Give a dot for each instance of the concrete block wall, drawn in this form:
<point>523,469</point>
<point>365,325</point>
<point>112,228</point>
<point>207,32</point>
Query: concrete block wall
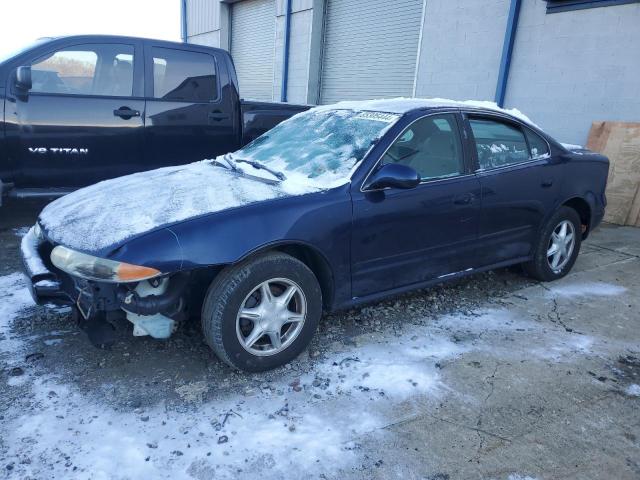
<point>461,48</point>
<point>572,68</point>
<point>299,49</point>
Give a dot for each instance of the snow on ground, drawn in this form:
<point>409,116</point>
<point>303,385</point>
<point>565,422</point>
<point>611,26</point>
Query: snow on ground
<point>14,298</point>
<point>586,289</point>
<point>633,390</point>
<point>310,426</point>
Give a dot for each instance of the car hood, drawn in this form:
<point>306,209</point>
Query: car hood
<point>110,212</point>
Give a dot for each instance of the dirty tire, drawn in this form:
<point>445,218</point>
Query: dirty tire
<point>539,267</point>
<point>226,296</point>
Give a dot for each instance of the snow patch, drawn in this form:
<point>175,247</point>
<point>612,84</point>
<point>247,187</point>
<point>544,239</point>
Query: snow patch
<point>14,298</point>
<point>20,231</point>
<point>571,146</point>
<point>633,390</point>
<point>586,289</point>
<point>403,105</point>
<point>111,211</point>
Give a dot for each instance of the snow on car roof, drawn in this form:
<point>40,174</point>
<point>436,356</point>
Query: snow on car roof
<point>403,105</point>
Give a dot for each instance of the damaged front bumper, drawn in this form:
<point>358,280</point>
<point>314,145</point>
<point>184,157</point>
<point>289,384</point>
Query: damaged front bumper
<point>46,287</point>
<point>153,306</point>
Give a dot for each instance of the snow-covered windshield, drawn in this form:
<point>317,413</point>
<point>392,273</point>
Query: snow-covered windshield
<point>319,147</point>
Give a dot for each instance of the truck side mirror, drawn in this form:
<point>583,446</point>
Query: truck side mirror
<point>23,78</point>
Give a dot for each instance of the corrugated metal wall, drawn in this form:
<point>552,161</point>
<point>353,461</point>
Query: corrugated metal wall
<point>203,16</point>
<point>253,33</point>
<point>370,49</point>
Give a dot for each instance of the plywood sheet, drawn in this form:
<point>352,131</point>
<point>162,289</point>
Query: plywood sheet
<point>620,142</point>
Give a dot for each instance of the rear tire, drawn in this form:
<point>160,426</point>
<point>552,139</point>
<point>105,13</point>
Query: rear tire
<point>557,247</point>
<point>262,313</point>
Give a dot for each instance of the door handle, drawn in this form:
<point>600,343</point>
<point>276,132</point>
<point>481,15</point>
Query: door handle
<point>217,116</point>
<point>547,183</point>
<point>465,199</point>
<point>126,113</point>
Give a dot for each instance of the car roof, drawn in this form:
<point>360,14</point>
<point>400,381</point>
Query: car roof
<point>402,106</point>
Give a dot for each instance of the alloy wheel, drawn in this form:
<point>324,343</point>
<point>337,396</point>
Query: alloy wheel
<point>561,245</point>
<point>271,317</point>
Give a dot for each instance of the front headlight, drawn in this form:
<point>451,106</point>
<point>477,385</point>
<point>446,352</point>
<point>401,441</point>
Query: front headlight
<point>100,269</point>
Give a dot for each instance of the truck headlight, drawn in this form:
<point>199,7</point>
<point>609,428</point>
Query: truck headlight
<point>99,269</point>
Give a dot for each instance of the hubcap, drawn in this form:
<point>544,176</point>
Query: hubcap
<point>561,244</point>
<point>271,317</point>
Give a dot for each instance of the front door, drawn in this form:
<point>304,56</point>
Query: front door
<point>83,119</point>
<point>406,237</point>
<point>188,118</point>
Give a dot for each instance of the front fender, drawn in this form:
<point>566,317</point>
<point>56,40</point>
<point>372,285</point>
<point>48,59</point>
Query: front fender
<point>320,221</point>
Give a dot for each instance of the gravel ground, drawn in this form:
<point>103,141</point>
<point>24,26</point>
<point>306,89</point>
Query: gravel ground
<point>405,388</point>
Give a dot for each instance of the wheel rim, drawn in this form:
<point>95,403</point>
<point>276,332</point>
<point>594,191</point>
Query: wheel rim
<point>561,245</point>
<point>271,317</point>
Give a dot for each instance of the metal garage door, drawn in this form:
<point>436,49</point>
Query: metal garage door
<point>253,31</point>
<point>370,49</point>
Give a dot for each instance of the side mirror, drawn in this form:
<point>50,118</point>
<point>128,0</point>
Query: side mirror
<point>393,175</point>
<point>23,78</point>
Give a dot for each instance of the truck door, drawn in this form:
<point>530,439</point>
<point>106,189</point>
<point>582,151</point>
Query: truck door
<point>83,119</point>
<point>188,117</point>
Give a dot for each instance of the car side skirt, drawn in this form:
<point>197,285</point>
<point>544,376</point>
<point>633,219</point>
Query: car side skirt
<point>357,301</point>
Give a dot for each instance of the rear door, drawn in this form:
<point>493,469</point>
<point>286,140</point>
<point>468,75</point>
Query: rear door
<point>407,237</point>
<point>83,119</point>
<point>188,117</point>
<point>520,185</point>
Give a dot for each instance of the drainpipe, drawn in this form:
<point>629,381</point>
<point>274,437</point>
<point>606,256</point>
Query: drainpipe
<point>183,19</point>
<point>507,50</point>
<point>285,60</point>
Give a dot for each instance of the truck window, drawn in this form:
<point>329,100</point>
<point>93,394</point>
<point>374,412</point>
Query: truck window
<point>95,69</point>
<point>183,76</point>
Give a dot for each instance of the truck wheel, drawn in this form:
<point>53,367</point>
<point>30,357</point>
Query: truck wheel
<point>262,313</point>
<point>557,247</point>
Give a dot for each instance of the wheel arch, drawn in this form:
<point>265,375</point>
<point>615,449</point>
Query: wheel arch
<point>313,258</point>
<point>583,208</point>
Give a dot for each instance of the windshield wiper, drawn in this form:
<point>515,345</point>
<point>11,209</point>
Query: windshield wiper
<point>260,166</point>
<point>228,164</point>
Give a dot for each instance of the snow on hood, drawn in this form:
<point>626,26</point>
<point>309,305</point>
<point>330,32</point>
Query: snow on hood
<point>403,105</point>
<point>111,211</point>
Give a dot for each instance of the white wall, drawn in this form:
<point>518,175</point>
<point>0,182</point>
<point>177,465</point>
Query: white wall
<point>461,48</point>
<point>572,68</point>
<point>299,49</point>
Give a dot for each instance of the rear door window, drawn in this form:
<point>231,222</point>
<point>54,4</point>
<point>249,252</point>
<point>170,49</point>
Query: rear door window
<point>93,69</point>
<point>183,76</point>
<point>498,144</point>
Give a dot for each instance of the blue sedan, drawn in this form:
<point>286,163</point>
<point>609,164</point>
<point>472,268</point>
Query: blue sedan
<point>337,206</point>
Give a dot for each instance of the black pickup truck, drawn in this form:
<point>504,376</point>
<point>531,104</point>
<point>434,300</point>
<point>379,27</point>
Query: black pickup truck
<point>76,110</point>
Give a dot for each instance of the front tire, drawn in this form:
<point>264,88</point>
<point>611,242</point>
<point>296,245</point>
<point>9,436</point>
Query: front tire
<point>558,246</point>
<point>262,313</point>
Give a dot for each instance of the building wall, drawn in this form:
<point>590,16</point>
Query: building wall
<point>572,68</point>
<point>299,49</point>
<point>208,23</point>
<point>568,69</point>
<point>203,22</point>
<point>461,48</point>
